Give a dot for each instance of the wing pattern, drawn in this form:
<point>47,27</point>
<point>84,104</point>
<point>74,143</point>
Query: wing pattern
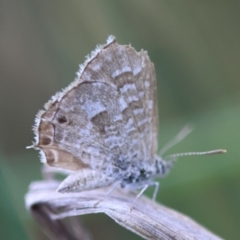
<point>107,117</point>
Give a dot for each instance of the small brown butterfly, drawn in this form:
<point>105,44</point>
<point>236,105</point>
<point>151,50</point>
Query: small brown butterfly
<point>104,126</point>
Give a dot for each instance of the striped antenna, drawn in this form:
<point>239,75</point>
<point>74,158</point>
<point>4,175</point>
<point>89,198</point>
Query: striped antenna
<point>177,155</point>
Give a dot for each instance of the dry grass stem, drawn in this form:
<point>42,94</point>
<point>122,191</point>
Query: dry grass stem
<point>147,218</point>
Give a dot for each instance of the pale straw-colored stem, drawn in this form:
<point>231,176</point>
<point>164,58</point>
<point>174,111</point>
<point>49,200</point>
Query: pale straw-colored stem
<point>147,218</point>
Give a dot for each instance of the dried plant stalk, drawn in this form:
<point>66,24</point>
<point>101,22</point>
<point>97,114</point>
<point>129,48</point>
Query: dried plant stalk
<point>147,218</point>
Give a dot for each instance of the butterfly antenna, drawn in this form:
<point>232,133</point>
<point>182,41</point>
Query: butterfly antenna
<point>178,138</point>
<point>177,155</point>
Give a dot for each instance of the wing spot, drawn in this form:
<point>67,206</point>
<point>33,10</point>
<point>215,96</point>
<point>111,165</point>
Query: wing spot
<point>45,141</point>
<point>62,119</point>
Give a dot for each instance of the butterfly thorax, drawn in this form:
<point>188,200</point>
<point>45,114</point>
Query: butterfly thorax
<point>137,173</point>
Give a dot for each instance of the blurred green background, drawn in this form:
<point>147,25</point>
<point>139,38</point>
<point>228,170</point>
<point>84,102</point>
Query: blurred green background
<point>195,46</point>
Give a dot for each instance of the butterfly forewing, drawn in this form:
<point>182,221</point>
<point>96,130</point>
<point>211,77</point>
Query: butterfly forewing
<point>109,114</point>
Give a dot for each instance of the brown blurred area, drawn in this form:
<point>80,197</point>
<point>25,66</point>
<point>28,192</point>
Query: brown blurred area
<point>195,48</point>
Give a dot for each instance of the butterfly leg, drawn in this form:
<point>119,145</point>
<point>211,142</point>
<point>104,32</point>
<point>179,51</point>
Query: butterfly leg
<point>85,179</point>
<point>143,190</point>
<point>139,195</point>
<point>114,186</point>
<point>155,190</point>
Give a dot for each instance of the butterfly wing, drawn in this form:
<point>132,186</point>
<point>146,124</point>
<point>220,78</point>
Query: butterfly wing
<point>107,117</point>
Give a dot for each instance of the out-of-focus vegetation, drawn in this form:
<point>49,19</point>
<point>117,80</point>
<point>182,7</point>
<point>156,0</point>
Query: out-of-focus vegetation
<point>195,46</point>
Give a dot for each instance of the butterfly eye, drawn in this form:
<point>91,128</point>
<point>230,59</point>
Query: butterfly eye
<point>62,119</point>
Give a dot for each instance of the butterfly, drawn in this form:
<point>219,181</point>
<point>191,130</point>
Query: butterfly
<point>104,126</point>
